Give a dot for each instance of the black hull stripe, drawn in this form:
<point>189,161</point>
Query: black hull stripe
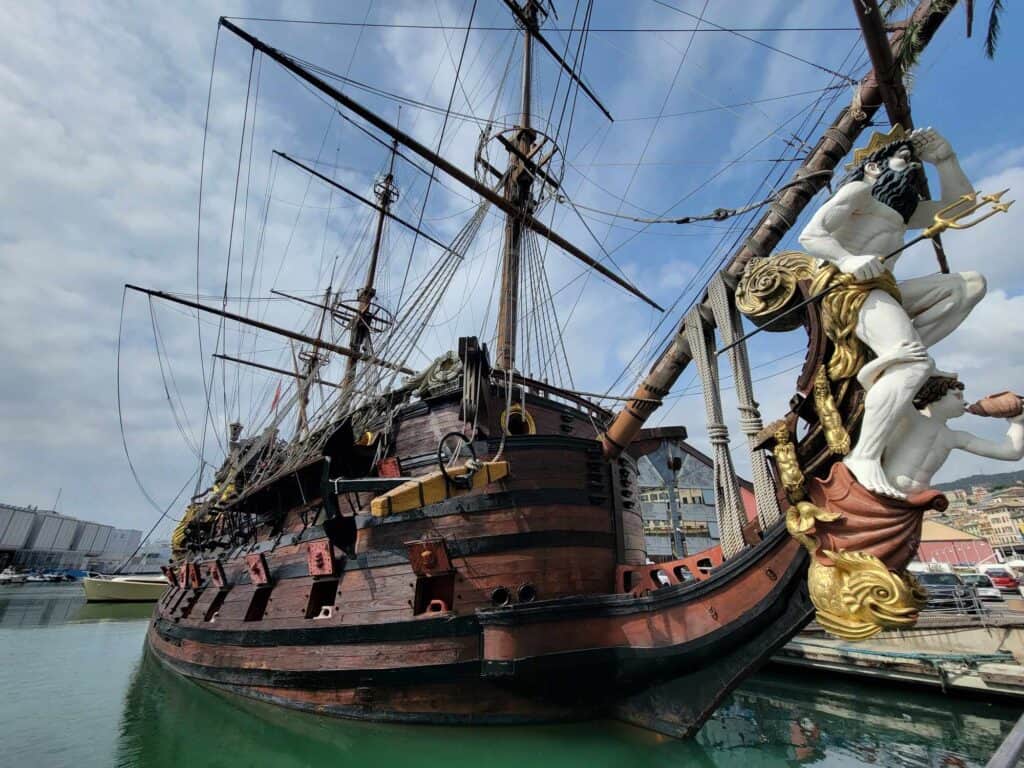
<point>391,632</point>
<point>489,545</point>
<point>324,679</point>
<point>488,502</point>
<point>625,669</point>
<point>481,545</point>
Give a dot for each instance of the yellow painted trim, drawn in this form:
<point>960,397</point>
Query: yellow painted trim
<point>433,488</point>
<point>531,425</point>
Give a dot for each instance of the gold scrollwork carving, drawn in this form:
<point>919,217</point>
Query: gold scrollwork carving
<point>836,436</point>
<point>854,594</point>
<point>800,520</point>
<point>858,597</point>
<point>786,462</point>
<point>769,287</point>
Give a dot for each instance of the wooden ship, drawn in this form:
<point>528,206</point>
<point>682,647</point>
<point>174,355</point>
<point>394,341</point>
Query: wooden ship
<point>466,546</point>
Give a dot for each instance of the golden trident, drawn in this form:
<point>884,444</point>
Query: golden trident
<point>953,216</point>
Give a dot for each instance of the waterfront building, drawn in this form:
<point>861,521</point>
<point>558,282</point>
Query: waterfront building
<point>945,544</point>
<point>1001,516</point>
<point>149,558</point>
<point>695,499</point>
<point>33,538</point>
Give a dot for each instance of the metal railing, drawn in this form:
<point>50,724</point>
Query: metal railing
<point>961,601</point>
<point>1010,751</point>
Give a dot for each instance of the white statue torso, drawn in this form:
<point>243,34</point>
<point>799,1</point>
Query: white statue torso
<point>919,447</point>
<point>872,228</point>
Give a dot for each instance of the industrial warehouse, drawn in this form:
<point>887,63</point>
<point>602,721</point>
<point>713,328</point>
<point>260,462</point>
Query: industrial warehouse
<point>40,539</point>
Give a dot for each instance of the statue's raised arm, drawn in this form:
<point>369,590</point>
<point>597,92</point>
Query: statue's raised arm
<point>931,147</point>
<point>882,329</point>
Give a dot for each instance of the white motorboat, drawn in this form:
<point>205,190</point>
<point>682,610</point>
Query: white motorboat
<point>135,588</point>
<point>11,576</point>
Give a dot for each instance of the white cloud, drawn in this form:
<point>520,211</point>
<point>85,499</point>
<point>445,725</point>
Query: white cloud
<point>103,108</point>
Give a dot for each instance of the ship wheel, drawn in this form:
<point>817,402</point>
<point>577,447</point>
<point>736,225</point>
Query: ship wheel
<point>449,449</point>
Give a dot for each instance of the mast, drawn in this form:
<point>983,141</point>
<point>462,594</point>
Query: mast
<point>287,333</point>
<point>832,147</point>
<point>889,77</point>
<point>432,157</point>
<point>313,361</point>
<point>386,195</point>
<point>518,189</point>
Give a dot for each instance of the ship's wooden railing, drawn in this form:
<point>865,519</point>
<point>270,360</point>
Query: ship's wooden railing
<point>638,579</point>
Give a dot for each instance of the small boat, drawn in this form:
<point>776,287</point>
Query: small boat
<point>11,576</point>
<point>137,588</point>
<point>46,578</point>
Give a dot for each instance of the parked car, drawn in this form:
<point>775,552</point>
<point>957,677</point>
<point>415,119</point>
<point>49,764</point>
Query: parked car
<point>982,586</point>
<point>1001,577</point>
<point>946,591</point>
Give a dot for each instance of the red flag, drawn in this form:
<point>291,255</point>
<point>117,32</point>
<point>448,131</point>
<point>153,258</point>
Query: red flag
<point>277,397</point>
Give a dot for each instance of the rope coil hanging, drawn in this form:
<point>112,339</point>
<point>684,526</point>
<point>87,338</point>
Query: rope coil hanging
<point>727,318</point>
<point>728,505</point>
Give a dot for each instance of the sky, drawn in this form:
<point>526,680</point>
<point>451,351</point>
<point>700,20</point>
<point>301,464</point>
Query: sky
<point>108,144</point>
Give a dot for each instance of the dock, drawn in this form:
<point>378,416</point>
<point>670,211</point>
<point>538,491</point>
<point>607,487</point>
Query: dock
<point>974,653</point>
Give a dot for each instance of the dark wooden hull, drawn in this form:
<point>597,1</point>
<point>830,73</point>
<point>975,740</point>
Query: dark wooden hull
<point>571,643</point>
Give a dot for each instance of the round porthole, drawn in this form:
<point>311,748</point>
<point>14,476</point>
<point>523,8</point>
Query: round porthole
<point>526,593</point>
<point>500,596</point>
<point>518,421</point>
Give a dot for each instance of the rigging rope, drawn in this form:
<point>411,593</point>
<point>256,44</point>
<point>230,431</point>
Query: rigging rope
<point>562,30</point>
<point>433,167</point>
<point>757,42</point>
<point>728,506</point>
<point>730,325</point>
<point>719,214</point>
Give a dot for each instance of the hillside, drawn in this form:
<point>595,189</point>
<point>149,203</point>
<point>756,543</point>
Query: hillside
<point>990,481</point>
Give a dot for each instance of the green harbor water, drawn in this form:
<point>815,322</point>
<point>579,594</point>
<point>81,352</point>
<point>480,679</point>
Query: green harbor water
<point>79,691</point>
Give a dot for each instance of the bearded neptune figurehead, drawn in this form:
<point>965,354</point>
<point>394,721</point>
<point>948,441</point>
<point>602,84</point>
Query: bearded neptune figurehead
<point>890,164</point>
<point>898,176</point>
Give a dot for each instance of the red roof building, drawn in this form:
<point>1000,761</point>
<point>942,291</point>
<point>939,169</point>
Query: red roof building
<point>944,544</point>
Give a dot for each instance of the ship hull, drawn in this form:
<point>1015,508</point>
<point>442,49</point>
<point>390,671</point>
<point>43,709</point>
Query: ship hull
<point>663,661</point>
<point>536,603</point>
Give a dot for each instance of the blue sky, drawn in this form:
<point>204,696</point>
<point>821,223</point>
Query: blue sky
<point>105,111</point>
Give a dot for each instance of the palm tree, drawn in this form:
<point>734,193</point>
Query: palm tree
<point>992,34</point>
<point>910,49</point>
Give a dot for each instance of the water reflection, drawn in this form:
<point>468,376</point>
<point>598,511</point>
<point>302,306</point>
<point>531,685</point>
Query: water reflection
<point>772,720</point>
<point>39,605</point>
<point>870,724</point>
<point>118,705</point>
<point>114,612</point>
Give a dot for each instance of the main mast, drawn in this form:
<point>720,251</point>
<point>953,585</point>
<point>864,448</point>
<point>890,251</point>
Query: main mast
<point>517,191</point>
<point>830,149</point>
<point>386,194</point>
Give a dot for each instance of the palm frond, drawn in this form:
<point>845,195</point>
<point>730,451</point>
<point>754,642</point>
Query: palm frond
<point>992,35</point>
